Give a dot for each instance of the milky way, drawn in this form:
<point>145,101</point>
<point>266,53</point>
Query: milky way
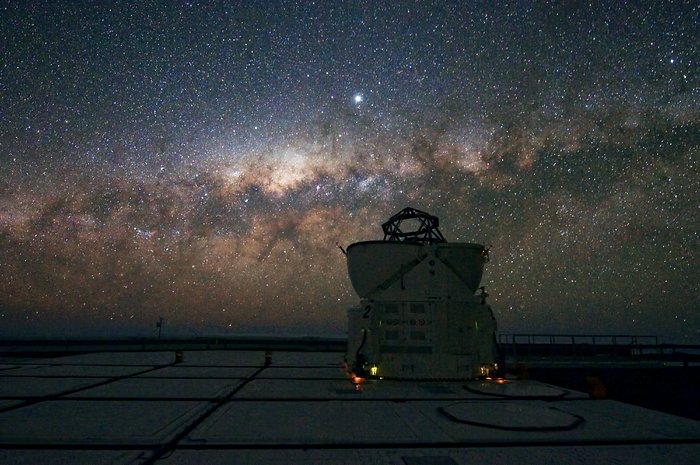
<point>203,163</point>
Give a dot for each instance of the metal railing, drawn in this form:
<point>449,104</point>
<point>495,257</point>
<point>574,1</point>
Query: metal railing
<point>579,345</point>
<point>53,347</point>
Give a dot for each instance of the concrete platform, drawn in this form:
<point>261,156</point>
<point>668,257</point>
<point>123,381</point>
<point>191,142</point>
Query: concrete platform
<point>219,407</point>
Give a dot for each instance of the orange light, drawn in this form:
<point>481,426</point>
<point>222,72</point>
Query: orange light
<point>357,382</point>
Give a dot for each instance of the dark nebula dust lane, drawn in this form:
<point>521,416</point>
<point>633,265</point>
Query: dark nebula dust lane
<point>202,163</point>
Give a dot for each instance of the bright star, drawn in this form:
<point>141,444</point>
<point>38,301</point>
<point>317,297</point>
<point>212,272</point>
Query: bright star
<point>358,98</point>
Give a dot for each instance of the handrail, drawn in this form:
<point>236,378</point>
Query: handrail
<point>579,345</point>
<point>596,339</point>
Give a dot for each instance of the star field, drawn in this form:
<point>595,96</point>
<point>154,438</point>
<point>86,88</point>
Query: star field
<point>201,162</point>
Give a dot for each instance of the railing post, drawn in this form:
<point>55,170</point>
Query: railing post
<point>551,345</point>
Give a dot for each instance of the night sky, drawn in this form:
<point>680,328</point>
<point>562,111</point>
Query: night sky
<point>200,162</point>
